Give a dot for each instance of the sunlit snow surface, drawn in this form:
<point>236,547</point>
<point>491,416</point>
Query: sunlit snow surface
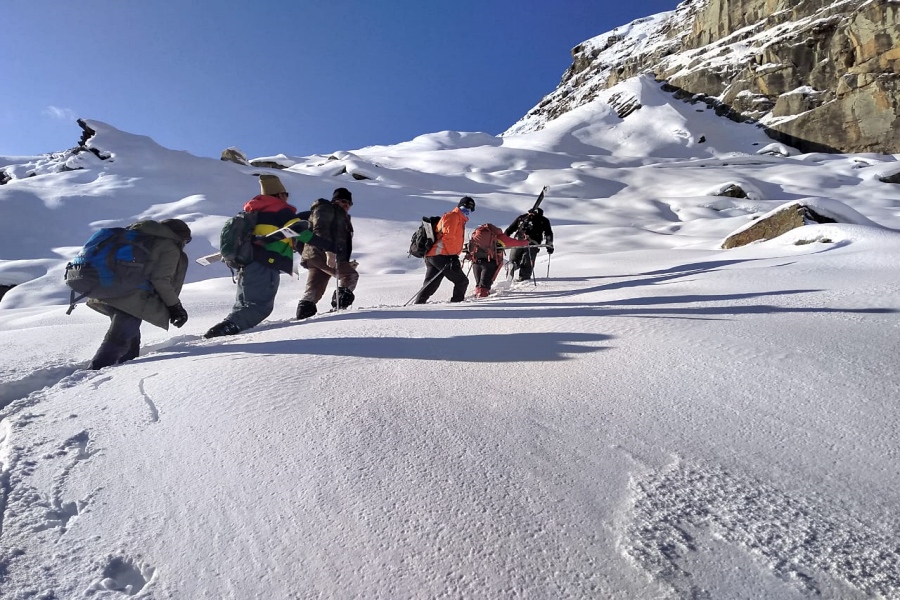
<point>651,417</point>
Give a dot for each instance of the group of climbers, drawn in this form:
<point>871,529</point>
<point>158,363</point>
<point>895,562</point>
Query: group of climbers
<point>325,246</point>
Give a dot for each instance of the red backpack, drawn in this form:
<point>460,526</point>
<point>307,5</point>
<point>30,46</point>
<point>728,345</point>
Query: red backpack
<point>483,243</point>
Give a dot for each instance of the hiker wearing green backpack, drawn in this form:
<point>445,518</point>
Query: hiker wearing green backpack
<point>257,282</point>
<point>157,303</point>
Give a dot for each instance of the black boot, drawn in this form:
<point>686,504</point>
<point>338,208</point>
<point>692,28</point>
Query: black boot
<point>305,309</point>
<point>224,328</point>
<point>344,296</point>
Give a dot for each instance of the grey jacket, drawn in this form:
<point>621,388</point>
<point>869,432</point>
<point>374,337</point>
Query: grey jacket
<point>166,269</point>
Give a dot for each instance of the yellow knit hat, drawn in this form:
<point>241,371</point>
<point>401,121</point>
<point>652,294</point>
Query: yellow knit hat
<point>270,185</point>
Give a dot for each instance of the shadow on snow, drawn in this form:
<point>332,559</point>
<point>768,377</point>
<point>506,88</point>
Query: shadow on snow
<point>499,348</point>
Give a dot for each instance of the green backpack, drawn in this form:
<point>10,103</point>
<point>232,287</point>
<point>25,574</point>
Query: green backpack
<point>236,239</point>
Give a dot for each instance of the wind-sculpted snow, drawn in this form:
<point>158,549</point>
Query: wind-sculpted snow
<point>686,509</point>
<point>517,446</point>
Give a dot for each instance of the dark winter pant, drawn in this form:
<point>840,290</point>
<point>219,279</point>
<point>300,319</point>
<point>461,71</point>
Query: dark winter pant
<point>485,272</point>
<point>453,271</point>
<point>523,260</point>
<point>257,286</point>
<point>122,340</point>
<point>320,274</point>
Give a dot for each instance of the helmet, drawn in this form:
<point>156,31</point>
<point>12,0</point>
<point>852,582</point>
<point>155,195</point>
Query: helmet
<point>466,202</point>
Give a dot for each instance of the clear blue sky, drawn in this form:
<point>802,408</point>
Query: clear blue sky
<point>294,77</point>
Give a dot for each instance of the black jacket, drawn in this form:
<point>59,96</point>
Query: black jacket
<point>332,225</point>
<point>533,227</point>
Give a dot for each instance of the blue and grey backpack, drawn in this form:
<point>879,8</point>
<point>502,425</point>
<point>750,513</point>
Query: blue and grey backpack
<point>111,264</point>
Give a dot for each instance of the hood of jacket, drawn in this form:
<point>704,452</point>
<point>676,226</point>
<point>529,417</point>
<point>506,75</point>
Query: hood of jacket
<point>156,229</point>
<point>268,204</point>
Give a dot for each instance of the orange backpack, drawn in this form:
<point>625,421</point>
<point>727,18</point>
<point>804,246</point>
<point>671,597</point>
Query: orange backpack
<point>483,243</point>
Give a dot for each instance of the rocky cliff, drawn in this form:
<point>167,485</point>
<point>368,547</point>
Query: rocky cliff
<point>819,75</point>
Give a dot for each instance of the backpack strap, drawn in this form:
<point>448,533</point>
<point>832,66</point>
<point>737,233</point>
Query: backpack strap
<point>73,300</point>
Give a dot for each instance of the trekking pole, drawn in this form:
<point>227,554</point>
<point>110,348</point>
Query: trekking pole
<point>427,283</point>
<point>548,265</point>
<point>531,258</point>
<point>337,284</point>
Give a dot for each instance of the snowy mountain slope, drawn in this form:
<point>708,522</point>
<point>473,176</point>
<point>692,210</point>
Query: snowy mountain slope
<point>651,417</point>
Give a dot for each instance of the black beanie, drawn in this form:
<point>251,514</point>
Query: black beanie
<point>179,228</point>
<point>342,194</point>
<point>466,202</point>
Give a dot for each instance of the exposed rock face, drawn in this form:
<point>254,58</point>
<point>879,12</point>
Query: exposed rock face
<point>789,216</point>
<point>820,75</point>
<point>86,134</point>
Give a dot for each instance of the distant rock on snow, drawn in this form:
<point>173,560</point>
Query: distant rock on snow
<point>792,215</point>
<point>781,220</point>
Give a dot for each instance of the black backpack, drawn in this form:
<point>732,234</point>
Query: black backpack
<point>112,263</point>
<point>424,237</point>
<point>236,239</point>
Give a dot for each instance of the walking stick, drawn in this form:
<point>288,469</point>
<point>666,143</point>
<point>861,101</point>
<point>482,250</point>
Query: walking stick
<point>531,258</point>
<point>548,265</point>
<point>337,284</point>
<point>427,283</point>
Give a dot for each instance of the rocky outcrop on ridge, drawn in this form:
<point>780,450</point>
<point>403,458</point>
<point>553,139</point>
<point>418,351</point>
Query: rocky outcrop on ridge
<point>234,155</point>
<point>73,159</point>
<point>819,75</point>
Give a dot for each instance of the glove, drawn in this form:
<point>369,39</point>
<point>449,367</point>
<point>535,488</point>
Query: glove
<point>454,263</point>
<point>177,315</point>
<point>549,249</point>
<point>305,236</point>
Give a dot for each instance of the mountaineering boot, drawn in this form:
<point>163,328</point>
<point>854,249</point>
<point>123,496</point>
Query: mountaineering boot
<point>482,292</point>
<point>305,309</point>
<point>344,296</point>
<point>226,327</point>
